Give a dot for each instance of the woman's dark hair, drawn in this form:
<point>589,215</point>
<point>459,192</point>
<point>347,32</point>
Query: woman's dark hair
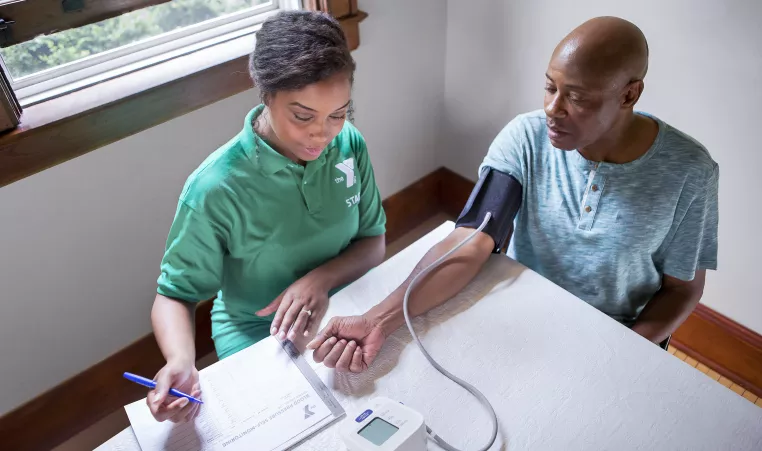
<point>297,48</point>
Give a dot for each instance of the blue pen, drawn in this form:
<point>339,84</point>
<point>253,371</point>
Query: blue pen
<point>152,384</point>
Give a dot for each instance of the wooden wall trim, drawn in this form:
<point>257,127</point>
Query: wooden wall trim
<point>724,346</point>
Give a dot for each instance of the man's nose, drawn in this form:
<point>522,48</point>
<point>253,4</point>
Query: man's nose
<point>555,107</point>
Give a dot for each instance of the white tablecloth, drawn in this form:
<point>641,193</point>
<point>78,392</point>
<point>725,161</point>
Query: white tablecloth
<point>560,374</point>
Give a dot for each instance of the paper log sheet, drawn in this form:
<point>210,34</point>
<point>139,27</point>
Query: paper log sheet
<point>254,399</point>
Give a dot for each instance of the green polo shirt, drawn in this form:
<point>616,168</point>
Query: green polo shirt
<point>250,222</point>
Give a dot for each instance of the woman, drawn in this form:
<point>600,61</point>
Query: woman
<point>277,218</point>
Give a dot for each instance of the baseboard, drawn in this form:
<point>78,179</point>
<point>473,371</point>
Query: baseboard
<point>69,408</point>
<point>724,346</point>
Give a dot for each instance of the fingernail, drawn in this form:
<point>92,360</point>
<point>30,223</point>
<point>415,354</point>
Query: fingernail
<point>282,335</point>
<point>184,402</point>
<point>352,343</point>
<point>306,333</point>
<point>273,330</point>
<point>332,340</point>
<point>291,335</point>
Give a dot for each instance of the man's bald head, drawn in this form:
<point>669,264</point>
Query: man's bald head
<point>594,80</point>
<point>605,47</point>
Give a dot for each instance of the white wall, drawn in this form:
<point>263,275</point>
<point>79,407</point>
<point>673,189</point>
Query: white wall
<point>704,78</point>
<point>81,242</point>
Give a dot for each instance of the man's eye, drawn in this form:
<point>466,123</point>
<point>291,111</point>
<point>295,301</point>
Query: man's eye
<point>550,89</point>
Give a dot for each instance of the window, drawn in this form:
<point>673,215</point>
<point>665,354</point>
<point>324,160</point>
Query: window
<point>51,65</point>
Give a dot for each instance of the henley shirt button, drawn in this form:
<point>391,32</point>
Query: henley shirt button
<point>588,209</point>
<point>594,188</point>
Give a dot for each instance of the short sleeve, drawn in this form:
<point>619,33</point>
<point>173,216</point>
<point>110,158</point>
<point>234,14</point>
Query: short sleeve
<point>191,269</point>
<point>506,153</point>
<point>694,245</point>
<point>372,215</point>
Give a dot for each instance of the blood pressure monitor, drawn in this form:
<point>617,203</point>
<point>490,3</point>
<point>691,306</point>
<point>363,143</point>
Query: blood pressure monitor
<point>384,425</point>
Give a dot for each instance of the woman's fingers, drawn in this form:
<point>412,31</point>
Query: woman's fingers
<point>300,325</point>
<point>320,353</point>
<point>171,411</point>
<point>284,305</point>
<point>289,318</point>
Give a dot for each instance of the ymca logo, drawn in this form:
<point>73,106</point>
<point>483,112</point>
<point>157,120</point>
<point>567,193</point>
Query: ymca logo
<point>347,167</point>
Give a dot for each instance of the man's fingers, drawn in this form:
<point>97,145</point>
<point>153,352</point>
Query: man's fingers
<point>333,356</point>
<point>328,331</point>
<point>346,357</point>
<point>300,325</point>
<point>284,304</point>
<point>357,365</point>
<point>289,317</point>
<point>321,352</point>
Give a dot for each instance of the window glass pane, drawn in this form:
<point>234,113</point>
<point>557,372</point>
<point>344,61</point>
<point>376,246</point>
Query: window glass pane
<point>45,52</point>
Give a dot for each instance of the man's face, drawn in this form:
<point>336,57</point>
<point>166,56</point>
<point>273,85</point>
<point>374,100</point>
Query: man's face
<point>581,106</point>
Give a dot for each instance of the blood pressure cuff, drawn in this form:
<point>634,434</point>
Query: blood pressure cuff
<point>500,194</point>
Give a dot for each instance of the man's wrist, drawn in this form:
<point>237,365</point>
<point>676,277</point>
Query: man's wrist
<point>388,319</point>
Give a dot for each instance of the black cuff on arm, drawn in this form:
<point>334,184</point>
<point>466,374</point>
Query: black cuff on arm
<point>500,194</point>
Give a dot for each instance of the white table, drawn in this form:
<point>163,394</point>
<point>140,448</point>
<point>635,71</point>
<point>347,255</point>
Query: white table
<point>560,374</point>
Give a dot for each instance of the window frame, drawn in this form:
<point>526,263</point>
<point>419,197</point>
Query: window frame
<point>78,74</point>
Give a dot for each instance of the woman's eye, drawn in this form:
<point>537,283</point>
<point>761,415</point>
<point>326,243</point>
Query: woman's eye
<point>339,118</point>
<point>302,118</point>
<point>550,89</point>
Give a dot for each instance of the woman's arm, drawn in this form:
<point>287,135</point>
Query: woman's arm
<point>173,327</point>
<point>173,324</point>
<point>294,307</point>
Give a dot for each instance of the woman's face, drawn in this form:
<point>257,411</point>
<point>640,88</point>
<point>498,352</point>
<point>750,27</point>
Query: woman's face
<point>305,121</point>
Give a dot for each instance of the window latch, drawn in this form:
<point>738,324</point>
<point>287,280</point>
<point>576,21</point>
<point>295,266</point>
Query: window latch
<point>5,31</point>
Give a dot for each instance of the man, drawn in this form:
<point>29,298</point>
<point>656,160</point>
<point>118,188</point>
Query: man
<point>617,207</point>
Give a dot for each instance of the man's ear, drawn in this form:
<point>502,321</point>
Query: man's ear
<point>632,93</point>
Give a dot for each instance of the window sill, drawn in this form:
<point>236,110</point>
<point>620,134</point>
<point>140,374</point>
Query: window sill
<point>74,124</point>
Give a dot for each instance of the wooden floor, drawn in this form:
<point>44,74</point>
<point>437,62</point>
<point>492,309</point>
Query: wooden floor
<point>111,425</point>
<point>716,376</point>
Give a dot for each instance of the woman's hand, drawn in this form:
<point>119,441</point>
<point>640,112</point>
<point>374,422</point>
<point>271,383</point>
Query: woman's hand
<point>180,375</point>
<point>348,343</point>
<point>295,308</point>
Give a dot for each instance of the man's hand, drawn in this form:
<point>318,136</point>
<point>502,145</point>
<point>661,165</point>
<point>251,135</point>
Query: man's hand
<point>296,307</point>
<point>348,343</point>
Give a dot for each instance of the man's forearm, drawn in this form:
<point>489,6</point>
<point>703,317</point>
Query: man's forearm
<point>438,286</point>
<point>665,313</point>
<point>357,259</point>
